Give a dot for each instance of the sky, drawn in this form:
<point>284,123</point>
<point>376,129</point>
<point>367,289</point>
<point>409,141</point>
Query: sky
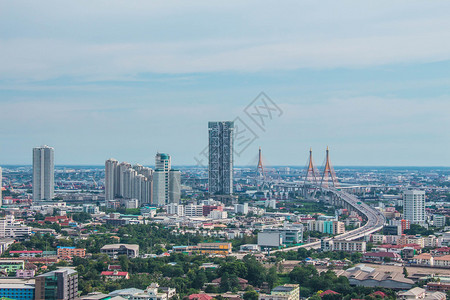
<point>126,79</point>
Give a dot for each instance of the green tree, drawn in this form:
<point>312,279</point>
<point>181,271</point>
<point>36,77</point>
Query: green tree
<point>251,295</point>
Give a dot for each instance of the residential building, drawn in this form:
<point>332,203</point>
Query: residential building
<point>123,181</point>
<point>193,210</point>
<point>70,252</point>
<point>43,173</point>
<point>115,250</point>
<point>5,243</point>
<point>175,209</point>
<point>343,245</point>
<point>241,208</point>
<point>338,227</point>
<point>61,284</point>
<point>439,221</point>
<point>283,292</point>
<point>110,177</point>
<point>220,167</point>
<point>424,259</point>
<point>414,206</point>
<point>174,186</point>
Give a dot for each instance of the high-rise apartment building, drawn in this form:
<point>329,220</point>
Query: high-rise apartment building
<point>166,181</point>
<point>110,175</point>
<point>174,186</point>
<point>414,206</point>
<point>122,181</point>
<point>43,173</point>
<point>220,158</point>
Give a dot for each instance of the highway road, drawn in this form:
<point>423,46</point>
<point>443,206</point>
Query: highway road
<point>375,221</point>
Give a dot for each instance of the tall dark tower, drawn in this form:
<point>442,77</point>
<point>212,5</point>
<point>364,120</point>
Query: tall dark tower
<point>220,158</point>
<point>260,168</point>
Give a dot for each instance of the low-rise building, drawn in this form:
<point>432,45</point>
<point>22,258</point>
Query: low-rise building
<point>343,245</point>
<point>11,265</point>
<point>70,252</point>
<point>114,275</point>
<point>114,250</point>
<point>283,292</point>
<point>214,248</point>
<point>26,253</point>
<point>17,288</point>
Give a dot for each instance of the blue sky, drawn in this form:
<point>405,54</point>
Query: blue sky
<point>125,79</point>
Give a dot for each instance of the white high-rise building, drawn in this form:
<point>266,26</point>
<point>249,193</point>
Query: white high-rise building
<point>174,186</point>
<point>414,206</point>
<point>110,174</point>
<point>166,181</point>
<point>43,173</point>
<point>125,182</point>
<point>159,188</point>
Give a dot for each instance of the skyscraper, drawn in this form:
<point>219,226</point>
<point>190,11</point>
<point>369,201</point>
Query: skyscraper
<point>174,186</point>
<point>220,158</point>
<point>43,173</point>
<point>123,181</point>
<point>166,181</point>
<point>161,179</point>
<point>414,206</point>
<point>110,174</point>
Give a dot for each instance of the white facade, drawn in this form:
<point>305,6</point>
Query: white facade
<point>124,181</point>
<point>159,188</point>
<point>43,173</point>
<point>241,208</point>
<point>110,170</point>
<point>414,206</point>
<point>175,209</point>
<point>218,214</point>
<point>9,228</point>
<point>192,210</point>
<point>174,186</point>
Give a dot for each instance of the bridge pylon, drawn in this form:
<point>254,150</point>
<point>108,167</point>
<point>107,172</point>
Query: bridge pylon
<point>261,182</point>
<point>311,177</point>
<point>328,176</point>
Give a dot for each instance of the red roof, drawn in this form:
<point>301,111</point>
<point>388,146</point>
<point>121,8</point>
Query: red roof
<point>200,297</point>
<point>442,249</point>
<point>329,292</point>
<point>379,293</point>
<point>113,273</point>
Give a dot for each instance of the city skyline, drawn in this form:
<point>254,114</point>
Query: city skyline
<point>370,83</point>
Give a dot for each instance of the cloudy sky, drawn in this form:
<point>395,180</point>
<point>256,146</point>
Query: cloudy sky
<point>125,79</point>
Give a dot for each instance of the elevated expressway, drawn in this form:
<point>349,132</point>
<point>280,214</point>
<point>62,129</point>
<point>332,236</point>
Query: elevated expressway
<point>374,219</point>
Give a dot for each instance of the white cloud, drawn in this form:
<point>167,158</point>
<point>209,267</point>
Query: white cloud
<point>245,37</point>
